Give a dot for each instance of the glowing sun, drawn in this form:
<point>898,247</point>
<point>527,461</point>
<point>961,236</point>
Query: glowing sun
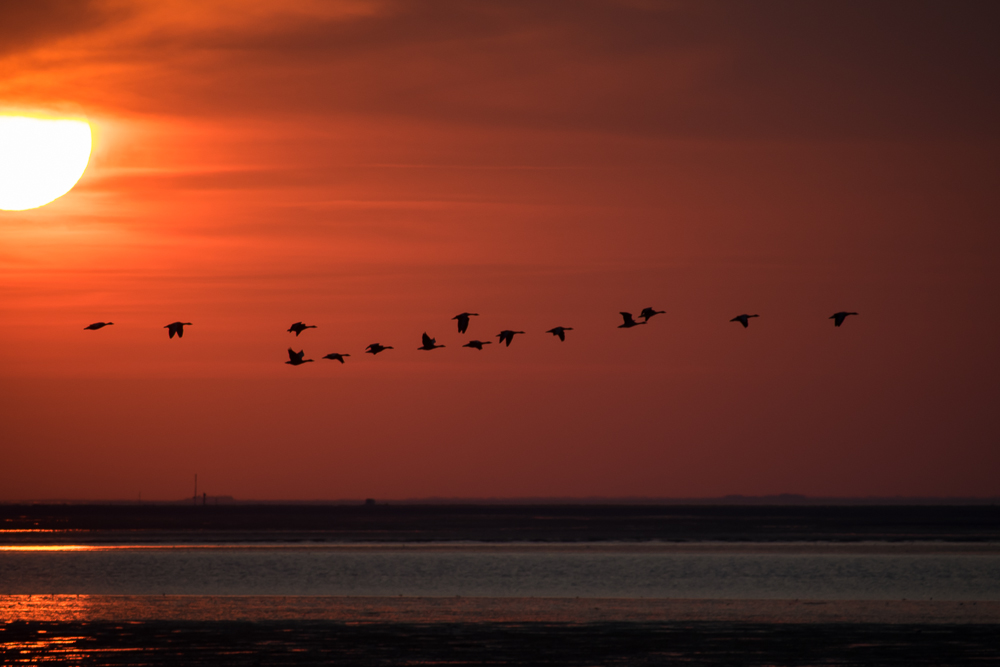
<point>40,159</point>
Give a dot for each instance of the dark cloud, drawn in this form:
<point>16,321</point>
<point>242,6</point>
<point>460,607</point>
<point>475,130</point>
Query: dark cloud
<point>24,25</point>
<point>778,69</point>
<point>883,68</point>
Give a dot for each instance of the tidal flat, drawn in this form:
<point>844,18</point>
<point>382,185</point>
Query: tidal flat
<point>551,585</point>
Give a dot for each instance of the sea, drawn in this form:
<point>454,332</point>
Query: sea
<point>142,596</point>
<point>748,571</point>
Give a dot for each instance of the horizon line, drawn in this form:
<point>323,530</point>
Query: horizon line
<point>779,498</point>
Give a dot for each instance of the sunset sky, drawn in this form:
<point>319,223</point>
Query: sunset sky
<point>375,168</point>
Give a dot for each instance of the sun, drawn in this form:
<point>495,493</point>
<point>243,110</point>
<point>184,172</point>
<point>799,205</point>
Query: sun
<point>40,159</point>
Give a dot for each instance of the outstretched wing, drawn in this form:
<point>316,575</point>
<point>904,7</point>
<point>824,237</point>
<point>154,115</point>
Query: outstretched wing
<point>627,317</point>
<point>427,340</point>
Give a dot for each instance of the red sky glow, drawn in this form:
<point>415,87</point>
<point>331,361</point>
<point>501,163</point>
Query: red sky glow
<point>375,168</point>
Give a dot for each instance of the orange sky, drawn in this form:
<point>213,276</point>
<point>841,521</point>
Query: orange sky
<point>375,168</point>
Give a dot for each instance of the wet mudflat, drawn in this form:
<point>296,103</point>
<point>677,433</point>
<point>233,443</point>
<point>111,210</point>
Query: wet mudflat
<point>464,585</point>
<point>264,630</point>
<point>615,643</point>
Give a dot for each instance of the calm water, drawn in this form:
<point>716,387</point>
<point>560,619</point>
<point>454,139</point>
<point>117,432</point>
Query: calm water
<point>765,571</point>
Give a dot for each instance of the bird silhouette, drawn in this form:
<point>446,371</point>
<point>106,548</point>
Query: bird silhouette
<point>648,313</point>
<point>177,328</point>
<point>506,336</point>
<point>97,325</point>
<point>743,319</point>
<point>838,318</point>
<point>478,344</point>
<point>428,343</point>
<point>298,328</point>
<point>560,331</point>
<point>336,356</point>
<point>295,358</point>
<point>629,322</point>
<point>463,320</point>
<point>375,348</point>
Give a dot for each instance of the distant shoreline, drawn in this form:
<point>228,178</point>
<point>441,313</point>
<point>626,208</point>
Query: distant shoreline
<point>95,524</point>
<point>733,499</point>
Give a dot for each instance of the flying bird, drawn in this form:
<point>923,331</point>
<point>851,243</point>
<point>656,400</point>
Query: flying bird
<point>560,331</point>
<point>743,319</point>
<point>649,312</point>
<point>295,358</point>
<point>176,328</point>
<point>478,344</point>
<point>838,318</point>
<point>463,320</point>
<point>629,322</point>
<point>428,343</point>
<point>298,328</point>
<point>506,336</point>
<point>336,356</point>
<point>97,325</point>
<point>375,348</point>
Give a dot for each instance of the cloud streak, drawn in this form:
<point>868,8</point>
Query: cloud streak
<point>685,69</point>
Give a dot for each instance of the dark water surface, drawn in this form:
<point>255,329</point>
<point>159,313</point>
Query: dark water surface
<point>495,585</point>
<point>861,571</point>
<point>324,643</point>
<point>177,524</point>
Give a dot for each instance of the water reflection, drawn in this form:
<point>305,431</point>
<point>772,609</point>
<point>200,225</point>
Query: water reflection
<point>57,547</point>
<point>560,645</point>
<point>131,610</point>
<point>47,608</point>
<point>57,647</point>
<point>51,649</point>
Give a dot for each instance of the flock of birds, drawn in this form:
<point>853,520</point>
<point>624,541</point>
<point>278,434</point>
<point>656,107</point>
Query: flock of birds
<point>506,336</point>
